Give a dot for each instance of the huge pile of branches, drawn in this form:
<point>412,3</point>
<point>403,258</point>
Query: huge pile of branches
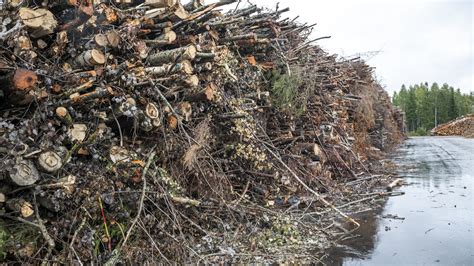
<point>144,131</point>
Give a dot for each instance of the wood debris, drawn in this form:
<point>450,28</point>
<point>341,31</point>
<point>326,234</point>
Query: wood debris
<point>241,111</point>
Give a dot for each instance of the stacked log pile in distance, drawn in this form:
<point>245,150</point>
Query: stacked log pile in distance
<point>463,126</point>
<point>144,131</point>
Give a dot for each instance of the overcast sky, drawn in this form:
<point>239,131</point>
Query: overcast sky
<point>418,40</point>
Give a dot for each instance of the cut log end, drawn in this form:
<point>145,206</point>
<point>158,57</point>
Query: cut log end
<point>24,79</point>
<point>91,58</point>
<point>109,39</point>
<point>152,111</point>
<point>161,3</point>
<point>50,161</point>
<point>172,122</point>
<point>24,173</point>
<point>39,22</point>
<point>61,112</point>
<point>78,132</point>
<point>21,206</point>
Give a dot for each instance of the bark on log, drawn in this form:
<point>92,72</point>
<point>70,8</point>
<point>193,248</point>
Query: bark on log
<point>206,95</point>
<point>193,4</point>
<point>163,39</point>
<point>184,67</point>
<point>161,3</point>
<point>24,173</point>
<point>211,15</point>
<point>201,29</point>
<point>175,13</point>
<point>157,26</point>
<point>209,56</point>
<point>83,87</point>
<point>81,98</point>
<point>156,14</point>
<point>215,5</point>
<point>64,115</point>
<point>245,37</point>
<point>225,23</point>
<point>184,40</point>
<point>170,56</point>
<point>246,11</point>
<point>84,13</point>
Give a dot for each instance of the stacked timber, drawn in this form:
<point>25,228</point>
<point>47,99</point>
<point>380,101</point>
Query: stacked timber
<point>463,126</point>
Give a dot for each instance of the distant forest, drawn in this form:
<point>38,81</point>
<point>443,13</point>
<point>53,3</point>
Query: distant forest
<point>428,106</point>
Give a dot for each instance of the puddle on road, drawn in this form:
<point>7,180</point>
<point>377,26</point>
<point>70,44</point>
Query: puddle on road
<point>432,224</point>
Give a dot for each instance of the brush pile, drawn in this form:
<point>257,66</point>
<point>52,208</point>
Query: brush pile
<point>152,131</point>
<point>463,126</point>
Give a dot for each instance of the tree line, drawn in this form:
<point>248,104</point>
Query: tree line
<point>427,106</point>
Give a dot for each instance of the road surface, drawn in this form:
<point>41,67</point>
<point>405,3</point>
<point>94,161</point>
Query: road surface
<point>433,222</point>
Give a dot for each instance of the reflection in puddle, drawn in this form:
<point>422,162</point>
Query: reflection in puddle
<point>432,223</point>
<point>361,244</point>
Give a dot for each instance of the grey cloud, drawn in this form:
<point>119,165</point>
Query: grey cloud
<point>419,40</point>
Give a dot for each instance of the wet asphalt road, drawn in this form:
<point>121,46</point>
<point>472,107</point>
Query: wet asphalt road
<point>438,227</point>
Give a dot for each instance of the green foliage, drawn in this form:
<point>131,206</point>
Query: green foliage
<point>428,106</point>
<point>419,132</point>
<point>285,92</point>
<point>3,239</point>
<point>19,239</point>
